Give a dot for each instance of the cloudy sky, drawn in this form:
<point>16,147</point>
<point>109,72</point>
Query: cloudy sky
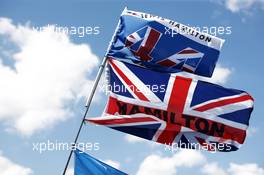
<point>46,76</point>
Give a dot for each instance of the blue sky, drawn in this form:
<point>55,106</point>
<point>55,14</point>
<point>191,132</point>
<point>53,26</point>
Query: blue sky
<point>241,62</point>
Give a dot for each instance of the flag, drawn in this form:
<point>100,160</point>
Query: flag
<point>87,165</point>
<point>175,109</point>
<point>164,45</point>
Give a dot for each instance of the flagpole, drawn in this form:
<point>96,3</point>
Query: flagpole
<point>89,100</point>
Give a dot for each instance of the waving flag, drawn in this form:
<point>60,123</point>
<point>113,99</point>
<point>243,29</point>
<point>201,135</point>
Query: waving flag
<point>87,165</point>
<point>164,45</point>
<point>172,108</point>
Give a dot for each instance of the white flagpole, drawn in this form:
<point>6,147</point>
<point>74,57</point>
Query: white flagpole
<point>89,100</point>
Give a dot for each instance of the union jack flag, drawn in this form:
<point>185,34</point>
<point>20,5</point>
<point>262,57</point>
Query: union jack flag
<point>174,108</point>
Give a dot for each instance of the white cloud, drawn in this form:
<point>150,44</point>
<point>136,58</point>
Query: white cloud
<point>191,158</point>
<point>49,73</point>
<point>213,169</point>
<point>233,169</point>
<point>251,131</point>
<point>113,163</point>
<point>133,139</point>
<point>220,76</point>
<point>245,169</point>
<point>168,165</point>
<point>8,167</point>
<point>70,171</point>
<point>238,5</point>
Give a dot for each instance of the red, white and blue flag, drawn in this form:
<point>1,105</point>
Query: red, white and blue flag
<point>164,45</point>
<point>173,108</point>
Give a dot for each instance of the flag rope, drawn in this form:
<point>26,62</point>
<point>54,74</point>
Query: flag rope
<point>89,100</point>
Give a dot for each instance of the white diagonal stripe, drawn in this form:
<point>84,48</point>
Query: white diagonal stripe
<point>230,108</point>
<point>138,83</point>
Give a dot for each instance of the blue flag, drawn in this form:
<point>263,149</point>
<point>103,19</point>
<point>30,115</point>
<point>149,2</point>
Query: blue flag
<point>164,45</point>
<point>88,165</point>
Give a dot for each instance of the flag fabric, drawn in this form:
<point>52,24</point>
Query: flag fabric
<point>175,109</point>
<point>164,45</point>
<point>87,165</point>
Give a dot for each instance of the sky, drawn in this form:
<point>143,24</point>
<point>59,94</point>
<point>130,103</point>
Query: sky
<point>46,76</point>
